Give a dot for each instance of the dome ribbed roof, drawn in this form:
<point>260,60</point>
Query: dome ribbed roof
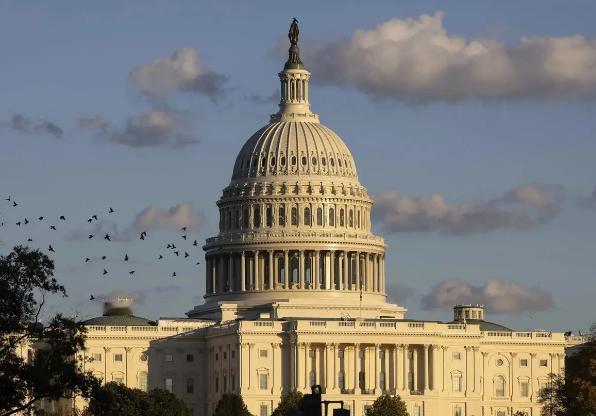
<point>294,148</point>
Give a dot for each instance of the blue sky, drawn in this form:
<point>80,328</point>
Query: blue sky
<point>67,61</point>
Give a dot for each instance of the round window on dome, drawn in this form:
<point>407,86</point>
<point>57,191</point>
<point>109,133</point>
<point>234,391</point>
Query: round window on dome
<point>499,362</point>
<point>304,160</point>
<point>314,160</point>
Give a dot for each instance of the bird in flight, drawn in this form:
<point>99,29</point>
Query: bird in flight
<point>87,259</point>
<point>183,229</point>
<point>103,257</point>
<point>160,257</point>
<point>62,217</point>
<point>90,220</point>
<point>94,217</point>
<point>40,218</point>
<point>174,274</point>
<point>50,248</point>
<point>198,262</point>
<point>186,254</point>
<point>177,253</point>
<point>184,237</point>
<point>91,297</point>
<point>90,236</point>
<point>131,272</point>
<point>14,203</point>
<point>52,227</point>
<point>107,237</point>
<point>26,221</point>
<point>126,257</point>
<point>195,243</point>
<point>111,210</point>
<point>18,223</point>
<point>105,272</point>
<point>29,240</point>
<point>8,199</point>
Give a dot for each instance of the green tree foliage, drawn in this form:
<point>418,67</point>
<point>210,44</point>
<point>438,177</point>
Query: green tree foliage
<point>288,405</point>
<point>574,395</point>
<point>387,405</point>
<point>115,399</point>
<point>231,405</point>
<point>26,279</point>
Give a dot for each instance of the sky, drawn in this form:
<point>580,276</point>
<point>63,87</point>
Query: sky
<point>472,125</point>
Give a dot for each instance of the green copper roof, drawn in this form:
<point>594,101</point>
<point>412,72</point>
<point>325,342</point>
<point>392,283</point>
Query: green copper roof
<point>119,320</point>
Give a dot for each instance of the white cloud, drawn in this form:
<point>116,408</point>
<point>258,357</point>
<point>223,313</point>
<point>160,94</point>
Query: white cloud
<point>182,72</point>
<point>23,124</point>
<point>161,127</point>
<point>498,296</point>
<point>417,60</point>
<point>174,218</point>
<point>520,208</point>
<point>398,293</point>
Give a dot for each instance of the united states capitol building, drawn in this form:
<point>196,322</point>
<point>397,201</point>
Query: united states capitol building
<point>296,296</point>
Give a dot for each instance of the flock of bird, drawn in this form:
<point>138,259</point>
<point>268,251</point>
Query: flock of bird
<point>177,252</point>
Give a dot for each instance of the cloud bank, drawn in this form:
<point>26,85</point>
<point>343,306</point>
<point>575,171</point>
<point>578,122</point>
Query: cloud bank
<point>523,207</point>
<point>497,295</point>
<point>181,72</point>
<point>174,218</point>
<point>23,124</point>
<point>589,202</point>
<point>416,60</point>
<point>157,128</point>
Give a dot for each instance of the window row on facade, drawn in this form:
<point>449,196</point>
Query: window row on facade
<point>300,215</point>
<point>295,269</point>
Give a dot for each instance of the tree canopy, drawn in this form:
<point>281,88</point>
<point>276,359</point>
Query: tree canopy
<point>26,279</point>
<point>115,399</point>
<point>289,404</point>
<point>387,405</point>
<point>231,405</point>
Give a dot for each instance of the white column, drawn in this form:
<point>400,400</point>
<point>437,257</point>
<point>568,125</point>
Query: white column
<point>415,368</point>
<point>230,272</point>
<point>316,269</point>
<point>286,269</point>
<point>301,269</point>
<point>426,369</point>
<point>357,262</point>
<point>328,368</point>
<point>346,274</point>
<point>272,272</point>
<point>397,366</point>
<point>377,362</point>
<point>406,369</point>
<point>277,370</point>
<point>357,369</point>
<point>383,273</point>
<point>308,366</point>
<point>256,271</point>
<point>242,271</point>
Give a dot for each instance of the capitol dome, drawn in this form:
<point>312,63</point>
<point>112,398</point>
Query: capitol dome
<point>295,222</point>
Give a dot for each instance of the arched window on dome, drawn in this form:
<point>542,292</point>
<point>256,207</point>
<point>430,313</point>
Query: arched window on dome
<point>281,215</point>
<point>358,219</point>
<point>236,219</point>
<point>293,160</point>
<point>331,217</point>
<point>307,218</point>
<point>229,220</point>
<point>341,217</point>
<point>282,160</point>
<point>269,216</point>
<point>339,162</point>
<point>319,216</point>
<point>332,162</point>
<point>256,216</point>
<point>304,160</point>
<point>294,215</point>
<point>351,218</point>
<point>245,218</point>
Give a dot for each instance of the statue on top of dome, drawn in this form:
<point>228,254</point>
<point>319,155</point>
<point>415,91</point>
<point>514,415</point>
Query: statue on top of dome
<point>294,32</point>
<point>294,61</point>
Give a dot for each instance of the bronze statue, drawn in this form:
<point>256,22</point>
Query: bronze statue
<point>293,32</point>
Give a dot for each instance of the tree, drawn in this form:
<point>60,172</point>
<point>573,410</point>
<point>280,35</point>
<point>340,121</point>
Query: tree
<point>289,404</point>
<point>552,396</point>
<point>231,405</point>
<point>580,379</point>
<point>387,405</point>
<point>116,399</point>
<point>26,279</point>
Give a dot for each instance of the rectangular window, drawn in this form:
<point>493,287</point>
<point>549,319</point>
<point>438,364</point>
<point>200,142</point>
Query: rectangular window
<point>256,218</point>
<point>281,215</point>
<point>168,358</point>
<point>233,353</point>
<point>225,383</point>
<point>456,383</point>
<point>169,384</point>
<point>225,355</point>
<point>117,357</point>
<point>263,381</point>
<point>190,385</point>
<point>543,363</point>
<point>118,379</point>
<point>96,357</point>
<point>233,380</point>
<point>269,216</point>
<point>456,355</point>
<point>457,411</point>
<point>501,413</point>
<point>263,353</point>
<point>523,362</point>
<point>190,358</point>
<point>264,410</point>
<point>216,384</point>
<point>524,389</point>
